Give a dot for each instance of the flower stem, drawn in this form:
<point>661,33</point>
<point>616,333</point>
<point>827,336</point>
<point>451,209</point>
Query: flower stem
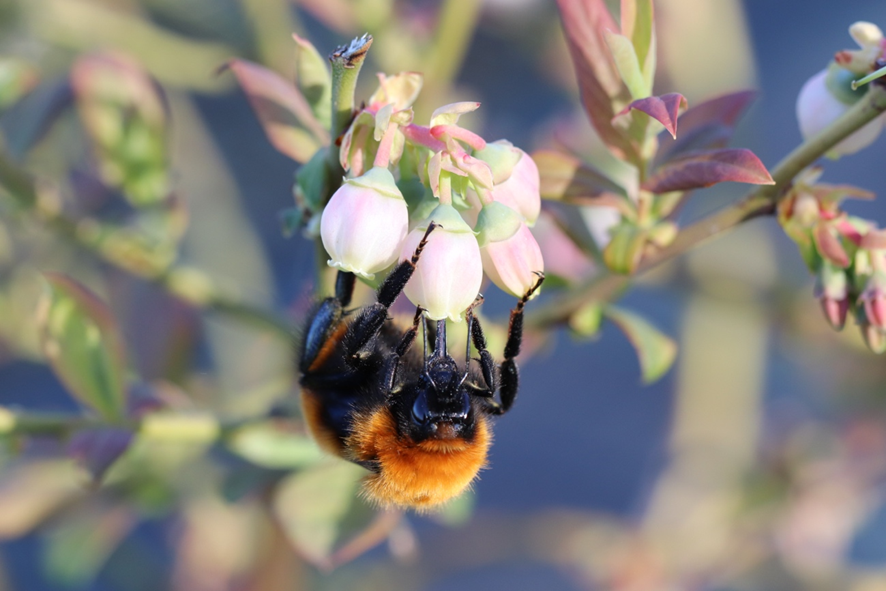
<point>347,61</point>
<point>759,202</point>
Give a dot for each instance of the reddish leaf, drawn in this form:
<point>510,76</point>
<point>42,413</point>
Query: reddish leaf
<point>284,113</point>
<point>665,109</point>
<point>707,125</point>
<point>584,22</point>
<point>703,169</point>
<point>829,246</point>
<point>722,110</point>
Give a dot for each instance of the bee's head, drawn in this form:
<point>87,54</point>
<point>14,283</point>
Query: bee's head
<point>441,407</point>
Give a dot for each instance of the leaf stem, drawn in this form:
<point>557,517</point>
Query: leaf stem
<point>759,202</point>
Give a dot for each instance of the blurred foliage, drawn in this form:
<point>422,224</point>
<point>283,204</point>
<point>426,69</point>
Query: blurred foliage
<point>186,465</point>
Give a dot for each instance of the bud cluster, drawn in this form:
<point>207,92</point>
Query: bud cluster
<point>847,254</point>
<point>401,176</point>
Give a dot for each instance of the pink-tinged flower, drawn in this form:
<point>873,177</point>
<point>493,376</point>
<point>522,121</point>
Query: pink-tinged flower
<point>516,179</point>
<point>832,291</point>
<point>448,275</point>
<point>823,99</point>
<point>511,263</point>
<point>364,223</point>
<point>874,300</point>
<point>510,253</point>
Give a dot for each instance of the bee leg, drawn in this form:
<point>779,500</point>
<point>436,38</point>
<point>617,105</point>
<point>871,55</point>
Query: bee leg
<point>510,376</point>
<point>365,327</point>
<point>402,348</point>
<point>487,363</point>
<point>344,287</point>
<point>325,319</point>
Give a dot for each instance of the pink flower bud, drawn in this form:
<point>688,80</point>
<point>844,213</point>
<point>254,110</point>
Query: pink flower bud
<point>364,224</point>
<point>874,300</point>
<point>510,263</point>
<point>825,97</point>
<point>448,275</point>
<point>509,250</point>
<point>874,338</point>
<point>832,291</point>
<point>516,181</point>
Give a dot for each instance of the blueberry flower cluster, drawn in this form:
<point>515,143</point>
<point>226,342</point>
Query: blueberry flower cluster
<point>484,197</point>
<point>846,253</point>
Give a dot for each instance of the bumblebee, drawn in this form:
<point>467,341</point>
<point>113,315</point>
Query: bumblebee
<point>416,420</point>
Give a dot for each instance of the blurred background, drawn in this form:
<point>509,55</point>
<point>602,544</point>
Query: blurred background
<point>757,463</point>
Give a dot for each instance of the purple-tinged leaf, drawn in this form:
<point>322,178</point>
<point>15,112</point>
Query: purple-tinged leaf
<point>703,169</point>
<point>83,345</point>
<point>724,110</point>
<point>655,350</point>
<point>707,125</point>
<point>97,449</point>
<point>665,109</point>
<point>584,22</point>
<point>829,245</point>
<point>283,112</point>
<point>565,177</point>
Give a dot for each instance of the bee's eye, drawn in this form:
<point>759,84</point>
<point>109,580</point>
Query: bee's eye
<point>420,410</point>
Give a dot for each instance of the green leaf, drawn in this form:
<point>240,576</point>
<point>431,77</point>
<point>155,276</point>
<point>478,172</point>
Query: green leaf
<point>585,322</point>
<point>266,445</point>
<point>81,342</point>
<point>637,24</point>
<point>624,251</point>
<point>17,78</point>
<point>314,80</point>
<point>78,548</point>
<point>628,65</point>
<point>310,181</point>
<point>655,350</point>
<point>291,220</point>
<point>311,505</point>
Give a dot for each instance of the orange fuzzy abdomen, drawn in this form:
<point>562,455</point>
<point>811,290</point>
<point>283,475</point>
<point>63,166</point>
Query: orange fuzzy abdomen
<point>419,475</point>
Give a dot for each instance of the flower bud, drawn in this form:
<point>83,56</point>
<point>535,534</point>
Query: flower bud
<point>823,99</point>
<point>448,275</point>
<point>832,291</point>
<point>364,223</point>
<point>874,300</point>
<point>516,179</point>
<point>874,337</point>
<point>509,250</point>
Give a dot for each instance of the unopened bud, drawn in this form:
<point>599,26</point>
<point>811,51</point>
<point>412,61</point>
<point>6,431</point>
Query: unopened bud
<point>832,291</point>
<point>823,99</point>
<point>364,224</point>
<point>449,272</point>
<point>874,300</point>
